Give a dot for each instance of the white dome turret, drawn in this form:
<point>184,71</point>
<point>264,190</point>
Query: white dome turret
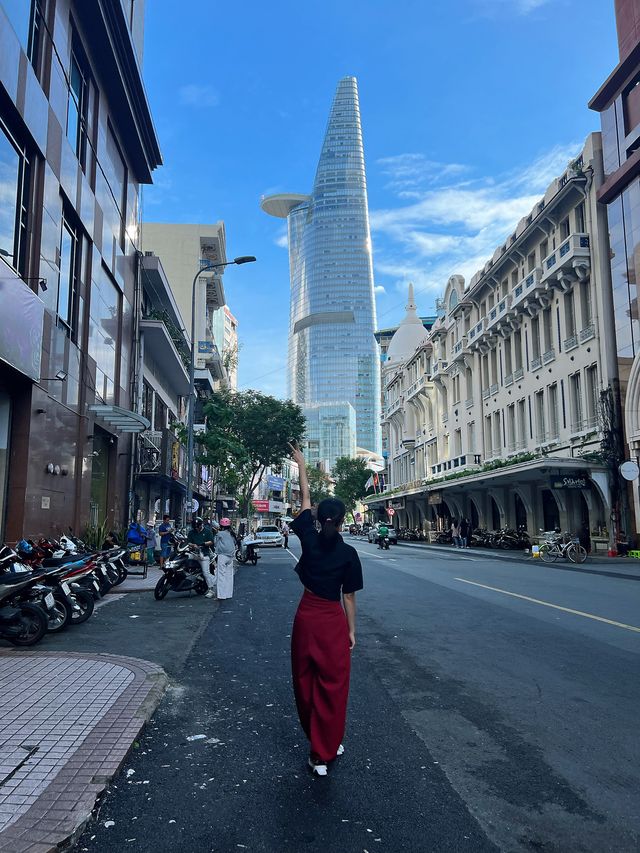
<point>409,334</point>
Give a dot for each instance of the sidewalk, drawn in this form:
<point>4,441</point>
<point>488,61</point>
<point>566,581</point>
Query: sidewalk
<point>619,566</point>
<point>136,583</point>
<point>68,721</point>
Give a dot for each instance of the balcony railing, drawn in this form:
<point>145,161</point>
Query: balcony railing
<point>528,286</point>
<point>516,446</point>
<point>518,373</point>
<point>536,363</point>
<point>498,311</point>
<point>570,343</point>
<point>485,393</point>
<point>587,333</point>
<point>508,380</point>
<point>460,348</point>
<point>160,452</point>
<point>468,402</point>
<point>416,386</point>
<point>493,389</point>
<point>586,424</point>
<point>549,356</point>
<point>571,253</point>
<point>476,332</point>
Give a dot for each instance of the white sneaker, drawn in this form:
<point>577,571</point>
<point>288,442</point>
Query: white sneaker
<point>210,594</point>
<point>318,769</point>
<point>340,750</point>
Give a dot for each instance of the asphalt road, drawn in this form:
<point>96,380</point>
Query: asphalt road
<point>493,706</point>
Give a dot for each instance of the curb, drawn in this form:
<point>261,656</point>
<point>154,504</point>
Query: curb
<point>521,557</point>
<point>66,804</point>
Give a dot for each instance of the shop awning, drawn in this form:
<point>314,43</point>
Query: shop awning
<point>119,420</point>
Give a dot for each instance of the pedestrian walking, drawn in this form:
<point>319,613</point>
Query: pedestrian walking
<point>455,533</point>
<point>225,546</point>
<point>324,630</point>
<point>203,537</point>
<point>285,534</point>
<point>465,532</point>
<point>165,530</point>
<point>151,542</point>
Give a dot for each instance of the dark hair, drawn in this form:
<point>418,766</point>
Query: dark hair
<point>331,512</point>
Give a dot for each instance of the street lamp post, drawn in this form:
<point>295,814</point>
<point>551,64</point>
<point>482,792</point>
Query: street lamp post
<point>244,259</point>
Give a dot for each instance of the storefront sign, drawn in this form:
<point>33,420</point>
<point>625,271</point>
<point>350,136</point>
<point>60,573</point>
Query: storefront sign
<point>261,506</point>
<point>175,459</point>
<point>276,506</point>
<point>435,498</point>
<point>397,503</point>
<point>276,484</point>
<point>570,481</point>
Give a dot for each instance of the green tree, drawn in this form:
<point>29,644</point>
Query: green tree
<point>246,432</point>
<point>318,484</point>
<point>350,476</point>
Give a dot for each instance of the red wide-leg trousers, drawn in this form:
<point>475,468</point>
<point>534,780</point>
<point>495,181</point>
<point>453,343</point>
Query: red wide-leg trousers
<point>321,664</point>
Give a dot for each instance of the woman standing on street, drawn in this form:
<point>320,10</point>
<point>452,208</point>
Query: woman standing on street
<point>324,630</point>
<point>225,548</point>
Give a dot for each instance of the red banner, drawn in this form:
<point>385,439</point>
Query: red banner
<point>261,506</point>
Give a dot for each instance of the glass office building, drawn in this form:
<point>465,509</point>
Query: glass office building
<point>333,355</point>
<point>331,433</point>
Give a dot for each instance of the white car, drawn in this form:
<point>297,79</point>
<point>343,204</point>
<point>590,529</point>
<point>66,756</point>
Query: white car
<point>269,536</point>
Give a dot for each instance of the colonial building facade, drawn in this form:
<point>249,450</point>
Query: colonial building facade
<point>493,414</point>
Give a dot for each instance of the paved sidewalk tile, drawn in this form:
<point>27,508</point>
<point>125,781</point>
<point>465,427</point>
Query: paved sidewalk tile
<point>68,721</point>
<point>136,583</point>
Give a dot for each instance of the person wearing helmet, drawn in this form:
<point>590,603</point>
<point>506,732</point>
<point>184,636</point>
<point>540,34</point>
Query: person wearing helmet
<point>203,537</point>
<point>225,549</point>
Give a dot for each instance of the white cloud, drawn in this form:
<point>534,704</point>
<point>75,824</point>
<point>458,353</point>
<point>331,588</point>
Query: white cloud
<point>409,170</point>
<point>455,227</point>
<point>282,240</point>
<point>193,95</point>
<point>379,288</point>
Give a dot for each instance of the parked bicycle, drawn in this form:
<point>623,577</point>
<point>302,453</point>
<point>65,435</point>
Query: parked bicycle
<point>563,547</point>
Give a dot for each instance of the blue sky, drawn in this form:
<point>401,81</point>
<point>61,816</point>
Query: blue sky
<point>469,108</point>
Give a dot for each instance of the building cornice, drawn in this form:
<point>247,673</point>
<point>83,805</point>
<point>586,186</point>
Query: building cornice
<point>111,48</point>
<point>622,74</point>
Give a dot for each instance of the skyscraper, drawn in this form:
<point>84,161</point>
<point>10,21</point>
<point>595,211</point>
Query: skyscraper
<point>333,355</point>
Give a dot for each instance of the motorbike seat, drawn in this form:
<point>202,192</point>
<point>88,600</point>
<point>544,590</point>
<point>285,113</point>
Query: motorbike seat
<point>10,578</point>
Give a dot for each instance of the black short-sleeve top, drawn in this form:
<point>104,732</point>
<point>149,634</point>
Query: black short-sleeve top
<point>326,571</point>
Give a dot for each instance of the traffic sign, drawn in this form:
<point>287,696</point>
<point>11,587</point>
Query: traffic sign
<point>391,512</point>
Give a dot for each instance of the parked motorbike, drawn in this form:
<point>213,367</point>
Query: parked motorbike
<point>182,573</point>
<point>248,552</point>
<point>22,622</point>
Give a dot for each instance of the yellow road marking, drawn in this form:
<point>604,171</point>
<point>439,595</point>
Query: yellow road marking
<point>555,606</point>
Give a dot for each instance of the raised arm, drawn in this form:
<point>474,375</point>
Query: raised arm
<point>298,457</point>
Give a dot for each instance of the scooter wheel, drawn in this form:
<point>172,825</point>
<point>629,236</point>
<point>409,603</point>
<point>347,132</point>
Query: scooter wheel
<point>200,586</point>
<point>34,624</point>
<point>122,575</point>
<point>254,561</point>
<point>162,588</point>
<point>85,602</point>
<point>59,617</point>
<point>239,556</point>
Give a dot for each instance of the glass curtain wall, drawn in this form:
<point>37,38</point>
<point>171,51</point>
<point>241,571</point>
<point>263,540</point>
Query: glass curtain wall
<point>332,351</point>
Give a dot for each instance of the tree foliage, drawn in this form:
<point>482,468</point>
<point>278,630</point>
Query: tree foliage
<point>318,484</point>
<point>350,476</point>
<point>245,433</point>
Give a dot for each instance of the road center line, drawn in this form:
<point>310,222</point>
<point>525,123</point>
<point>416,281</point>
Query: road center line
<point>554,606</point>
